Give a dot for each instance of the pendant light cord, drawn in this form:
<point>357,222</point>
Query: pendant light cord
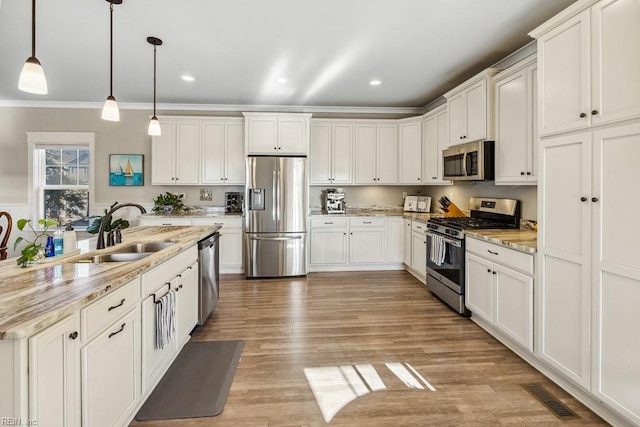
<point>33,28</point>
<point>110,50</point>
<point>154,80</point>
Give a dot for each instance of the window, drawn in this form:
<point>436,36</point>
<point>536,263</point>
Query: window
<point>62,176</point>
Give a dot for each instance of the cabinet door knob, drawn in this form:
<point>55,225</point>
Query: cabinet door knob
<point>583,199</point>
<point>521,173</point>
<point>583,115</point>
<point>594,199</point>
<point>418,179</point>
<point>528,173</point>
<point>73,335</point>
<point>594,112</point>
<point>434,177</point>
<point>488,270</point>
<point>279,148</point>
<point>461,137</point>
<point>494,272</point>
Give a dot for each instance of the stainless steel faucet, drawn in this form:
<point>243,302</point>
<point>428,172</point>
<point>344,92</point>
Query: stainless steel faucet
<point>106,219</point>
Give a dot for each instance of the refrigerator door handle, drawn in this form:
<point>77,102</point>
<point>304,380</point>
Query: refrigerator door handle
<point>274,200</point>
<point>275,238</point>
<point>278,192</point>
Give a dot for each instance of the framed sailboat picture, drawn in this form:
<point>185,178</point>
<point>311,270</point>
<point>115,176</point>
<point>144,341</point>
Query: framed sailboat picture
<point>126,170</point>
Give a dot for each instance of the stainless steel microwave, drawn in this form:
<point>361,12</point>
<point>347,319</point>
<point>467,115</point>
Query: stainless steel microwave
<point>473,161</point>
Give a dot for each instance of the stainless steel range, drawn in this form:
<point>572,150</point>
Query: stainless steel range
<point>445,245</point>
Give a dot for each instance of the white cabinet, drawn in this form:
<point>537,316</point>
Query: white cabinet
<point>435,138</point>
<point>410,151</point>
<point>376,153</point>
<point>419,249</point>
<point>331,153</point>
<point>395,239</point>
<point>111,373</point>
<point>328,243</point>
<point>499,289</point>
<point>223,159</point>
<point>564,245</point>
<point>367,240</point>
<point>186,287</point>
<point>230,245</point>
<point>515,126</point>
<point>147,220</point>
<point>175,153</point>
<point>586,66</point>
<point>470,109</point>
<point>589,268</point>
<point>275,134</point>
<point>54,374</point>
<point>406,231</point>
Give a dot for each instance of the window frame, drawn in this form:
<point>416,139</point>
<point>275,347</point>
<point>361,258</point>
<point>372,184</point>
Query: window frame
<point>58,140</point>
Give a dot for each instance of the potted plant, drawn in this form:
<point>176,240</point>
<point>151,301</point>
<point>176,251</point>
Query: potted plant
<point>169,203</point>
<point>34,250</point>
<point>112,225</point>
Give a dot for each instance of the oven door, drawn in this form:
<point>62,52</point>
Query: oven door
<point>451,271</point>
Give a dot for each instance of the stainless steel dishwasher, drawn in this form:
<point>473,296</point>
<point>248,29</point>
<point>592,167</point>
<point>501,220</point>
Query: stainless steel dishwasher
<point>209,276</point>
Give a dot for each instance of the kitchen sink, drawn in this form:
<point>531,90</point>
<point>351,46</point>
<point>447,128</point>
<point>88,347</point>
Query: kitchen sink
<point>114,257</point>
<point>144,247</point>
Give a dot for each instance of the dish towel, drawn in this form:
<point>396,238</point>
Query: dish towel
<point>438,250</point>
<point>165,319</point>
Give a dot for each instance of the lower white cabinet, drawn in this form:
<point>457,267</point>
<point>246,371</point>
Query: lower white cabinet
<point>186,287</point>
<point>419,248</point>
<point>341,243</point>
<point>406,236</point>
<point>328,241</point>
<point>366,240</point>
<point>499,289</point>
<point>111,373</point>
<point>54,374</point>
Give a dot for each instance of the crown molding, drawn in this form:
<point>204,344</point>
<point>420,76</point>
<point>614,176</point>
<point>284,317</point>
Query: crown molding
<point>218,107</point>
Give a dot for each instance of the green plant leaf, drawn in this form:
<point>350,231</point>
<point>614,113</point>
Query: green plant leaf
<point>22,222</point>
<point>18,240</point>
<point>47,222</point>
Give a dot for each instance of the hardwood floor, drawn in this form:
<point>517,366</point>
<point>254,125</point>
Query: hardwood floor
<point>341,319</point>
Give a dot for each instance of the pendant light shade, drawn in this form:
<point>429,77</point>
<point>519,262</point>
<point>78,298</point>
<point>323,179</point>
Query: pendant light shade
<point>154,127</point>
<point>110,110</point>
<point>32,77</point>
<point>154,124</point>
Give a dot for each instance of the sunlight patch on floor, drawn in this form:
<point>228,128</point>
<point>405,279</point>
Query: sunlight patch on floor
<point>336,386</point>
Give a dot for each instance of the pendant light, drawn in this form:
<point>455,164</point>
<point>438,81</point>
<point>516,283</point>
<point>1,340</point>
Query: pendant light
<point>110,110</point>
<point>154,124</point>
<point>32,77</point>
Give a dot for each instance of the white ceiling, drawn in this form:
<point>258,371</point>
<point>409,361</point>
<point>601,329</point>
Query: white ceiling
<point>235,49</point>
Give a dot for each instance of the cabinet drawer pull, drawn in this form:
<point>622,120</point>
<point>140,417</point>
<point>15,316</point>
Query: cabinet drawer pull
<point>118,331</point>
<point>166,223</point>
<point>73,335</point>
<point>491,252</point>
<point>366,222</point>
<point>117,305</point>
<point>328,223</point>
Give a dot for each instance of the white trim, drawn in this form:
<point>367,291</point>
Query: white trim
<point>58,138</point>
<point>219,107</point>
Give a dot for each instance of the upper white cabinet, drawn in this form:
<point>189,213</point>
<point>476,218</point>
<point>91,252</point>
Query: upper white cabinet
<point>376,152</point>
<point>515,123</point>
<point>275,134</point>
<point>223,152</point>
<point>435,138</point>
<point>588,66</point>
<point>175,153</point>
<point>470,109</point>
<point>331,153</point>
<point>410,151</point>
<point>198,150</point>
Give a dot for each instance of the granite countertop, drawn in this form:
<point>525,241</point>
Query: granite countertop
<point>520,240</point>
<point>35,297</point>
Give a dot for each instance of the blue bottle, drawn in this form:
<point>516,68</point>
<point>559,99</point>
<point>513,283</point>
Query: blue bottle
<point>58,244</point>
<point>49,249</point>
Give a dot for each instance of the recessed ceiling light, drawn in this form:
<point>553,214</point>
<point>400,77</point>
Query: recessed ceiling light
<point>187,78</point>
<point>281,80</point>
<point>375,82</point>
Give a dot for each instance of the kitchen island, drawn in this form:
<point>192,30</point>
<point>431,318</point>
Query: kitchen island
<point>87,330</point>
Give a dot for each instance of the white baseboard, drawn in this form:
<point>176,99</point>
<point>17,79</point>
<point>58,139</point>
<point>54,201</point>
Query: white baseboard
<point>316,268</point>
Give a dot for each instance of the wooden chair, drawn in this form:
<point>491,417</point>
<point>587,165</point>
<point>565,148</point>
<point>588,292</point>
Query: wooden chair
<point>4,251</point>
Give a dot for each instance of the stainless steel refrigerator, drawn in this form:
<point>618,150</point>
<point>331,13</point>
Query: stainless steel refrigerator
<point>276,216</point>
